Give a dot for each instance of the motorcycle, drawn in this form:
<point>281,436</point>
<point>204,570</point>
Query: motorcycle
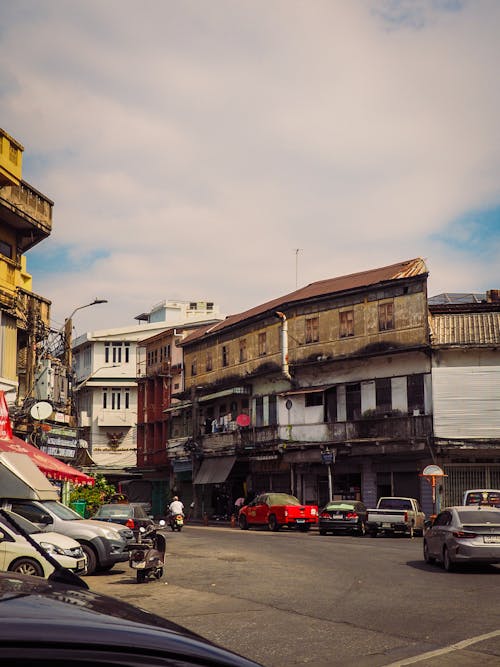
<point>176,521</point>
<point>147,555</point>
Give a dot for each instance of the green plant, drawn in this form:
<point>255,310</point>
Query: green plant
<point>95,495</point>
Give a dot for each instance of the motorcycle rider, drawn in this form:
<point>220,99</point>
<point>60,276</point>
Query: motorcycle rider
<point>176,507</point>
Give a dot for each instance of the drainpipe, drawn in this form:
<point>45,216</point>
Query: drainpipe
<point>284,344</point>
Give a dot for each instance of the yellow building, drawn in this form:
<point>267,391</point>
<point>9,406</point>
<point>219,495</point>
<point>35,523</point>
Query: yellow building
<point>25,221</point>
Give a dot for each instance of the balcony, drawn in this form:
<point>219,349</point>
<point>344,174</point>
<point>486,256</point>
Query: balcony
<point>241,439</point>
<point>116,418</point>
<point>380,429</point>
<point>27,211</point>
<point>404,428</point>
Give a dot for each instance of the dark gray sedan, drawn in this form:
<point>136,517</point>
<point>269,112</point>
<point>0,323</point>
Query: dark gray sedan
<point>464,535</point>
<point>343,516</point>
<point>131,515</point>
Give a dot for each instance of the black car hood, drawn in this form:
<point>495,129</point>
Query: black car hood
<point>34,610</point>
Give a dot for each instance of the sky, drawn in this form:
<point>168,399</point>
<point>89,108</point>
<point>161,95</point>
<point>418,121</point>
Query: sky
<point>233,150</point>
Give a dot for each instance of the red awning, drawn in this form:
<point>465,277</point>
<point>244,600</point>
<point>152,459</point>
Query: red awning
<point>49,465</point>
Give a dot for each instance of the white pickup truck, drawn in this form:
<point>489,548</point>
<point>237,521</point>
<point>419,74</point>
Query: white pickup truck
<point>395,515</point>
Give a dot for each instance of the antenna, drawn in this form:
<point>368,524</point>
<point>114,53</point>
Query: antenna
<point>297,250</point>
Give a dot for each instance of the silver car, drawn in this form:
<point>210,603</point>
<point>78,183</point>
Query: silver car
<point>464,535</point>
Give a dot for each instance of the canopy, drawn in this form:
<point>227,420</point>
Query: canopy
<point>215,470</point>
<point>49,465</point>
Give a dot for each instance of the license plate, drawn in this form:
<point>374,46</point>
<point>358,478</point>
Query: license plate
<point>301,520</point>
<point>387,525</point>
<point>491,539</point>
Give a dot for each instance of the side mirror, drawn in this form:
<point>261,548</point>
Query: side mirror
<point>45,519</point>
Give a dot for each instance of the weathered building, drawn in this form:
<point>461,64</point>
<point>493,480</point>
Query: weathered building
<point>25,221</point>
<point>465,337</point>
<point>341,366</point>
<point>160,373</point>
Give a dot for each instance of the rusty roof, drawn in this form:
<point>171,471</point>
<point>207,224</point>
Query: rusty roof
<point>353,281</point>
<point>475,328</point>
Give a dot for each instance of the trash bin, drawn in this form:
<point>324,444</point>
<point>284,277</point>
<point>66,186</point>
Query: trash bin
<point>79,506</point>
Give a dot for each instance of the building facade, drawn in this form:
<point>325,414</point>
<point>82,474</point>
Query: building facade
<point>465,336</point>
<point>25,221</point>
<point>323,392</point>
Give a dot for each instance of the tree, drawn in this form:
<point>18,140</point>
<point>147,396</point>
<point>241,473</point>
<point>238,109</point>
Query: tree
<point>94,496</point>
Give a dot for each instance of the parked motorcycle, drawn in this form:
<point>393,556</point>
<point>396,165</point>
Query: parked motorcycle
<point>147,555</point>
<point>176,521</point>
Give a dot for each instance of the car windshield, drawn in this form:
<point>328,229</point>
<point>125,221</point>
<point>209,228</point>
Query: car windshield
<point>282,499</point>
<point>61,511</point>
<point>479,517</point>
<point>114,511</point>
<point>23,523</point>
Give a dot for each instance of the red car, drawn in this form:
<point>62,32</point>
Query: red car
<point>276,510</point>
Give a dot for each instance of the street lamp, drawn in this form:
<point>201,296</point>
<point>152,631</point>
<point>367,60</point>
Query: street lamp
<point>68,332</point>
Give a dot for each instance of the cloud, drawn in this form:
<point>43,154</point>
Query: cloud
<point>190,150</point>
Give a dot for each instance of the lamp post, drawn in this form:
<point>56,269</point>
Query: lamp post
<point>68,332</point>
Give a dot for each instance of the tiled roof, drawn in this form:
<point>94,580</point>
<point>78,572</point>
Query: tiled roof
<point>465,329</point>
<point>353,281</point>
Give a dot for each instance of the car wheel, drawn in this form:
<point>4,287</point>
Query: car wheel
<point>27,566</point>
<point>159,573</point>
<point>243,522</point>
<point>322,532</point>
<point>361,531</point>
<point>91,559</point>
<point>372,533</point>
<point>141,576</point>
<point>273,523</point>
<point>448,564</point>
<point>427,557</point>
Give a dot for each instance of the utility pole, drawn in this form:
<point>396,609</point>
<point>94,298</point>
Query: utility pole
<point>297,250</point>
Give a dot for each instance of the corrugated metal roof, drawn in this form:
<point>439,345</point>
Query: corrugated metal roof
<point>401,270</point>
<point>465,329</point>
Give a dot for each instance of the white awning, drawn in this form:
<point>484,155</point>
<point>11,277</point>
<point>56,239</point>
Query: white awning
<point>214,470</point>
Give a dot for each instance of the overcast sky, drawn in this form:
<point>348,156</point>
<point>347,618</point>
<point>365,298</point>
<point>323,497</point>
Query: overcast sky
<point>192,147</point>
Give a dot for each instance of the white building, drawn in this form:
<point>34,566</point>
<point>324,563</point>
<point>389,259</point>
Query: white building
<point>105,387</point>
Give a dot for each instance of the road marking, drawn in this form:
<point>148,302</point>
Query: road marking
<point>447,649</point>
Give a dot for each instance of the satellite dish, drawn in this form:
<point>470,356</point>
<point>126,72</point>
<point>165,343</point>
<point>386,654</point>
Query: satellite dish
<point>41,410</point>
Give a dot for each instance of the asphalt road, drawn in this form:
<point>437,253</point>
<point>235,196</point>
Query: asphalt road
<point>293,598</point>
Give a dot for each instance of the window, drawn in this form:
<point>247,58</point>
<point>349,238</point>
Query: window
<point>106,353</point>
<point>127,352</point>
<point>346,323</point>
<point>353,401</point>
<point>13,154</point>
<point>210,305</point>
<point>193,305</point>
<point>115,399</point>
<point>225,356</point>
<point>117,353</point>
<point>208,363</point>
<point>259,411</point>
<point>87,355</point>
<point>415,390</point>
<point>243,350</point>
<point>105,398</point>
<point>273,412</point>
<point>261,344</point>
<point>386,316</point>
<point>193,367</point>
<point>6,249</point>
<point>312,329</point>
<point>313,399</point>
<point>383,395</point>
<point>127,399</point>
